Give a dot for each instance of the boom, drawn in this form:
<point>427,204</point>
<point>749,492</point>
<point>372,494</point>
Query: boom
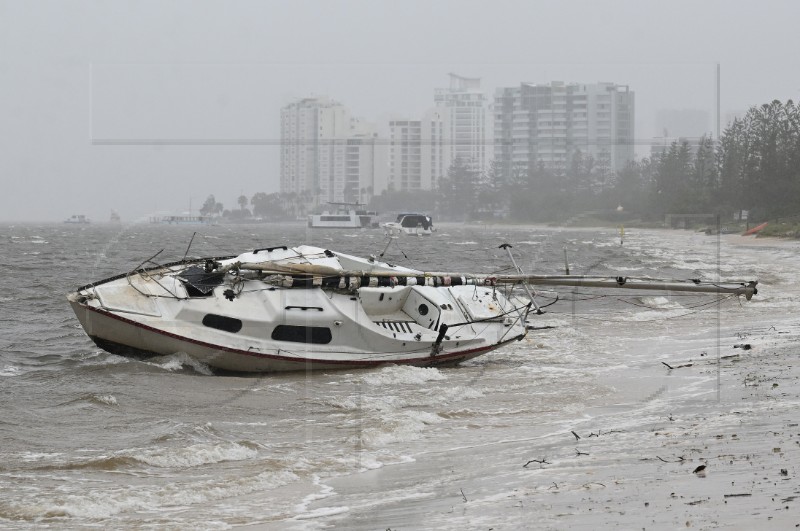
<point>332,277</point>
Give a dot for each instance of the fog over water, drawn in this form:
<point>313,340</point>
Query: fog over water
<point>75,75</point>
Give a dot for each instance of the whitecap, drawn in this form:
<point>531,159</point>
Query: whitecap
<point>10,370</point>
<point>179,361</point>
<point>194,455</point>
<point>401,427</point>
<point>403,374</point>
<point>109,400</point>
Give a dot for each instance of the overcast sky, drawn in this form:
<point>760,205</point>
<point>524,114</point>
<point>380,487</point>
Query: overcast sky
<point>86,86</point>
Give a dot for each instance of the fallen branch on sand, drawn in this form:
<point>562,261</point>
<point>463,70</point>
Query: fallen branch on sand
<point>670,367</point>
<point>540,461</point>
<point>588,485</point>
<point>681,459</point>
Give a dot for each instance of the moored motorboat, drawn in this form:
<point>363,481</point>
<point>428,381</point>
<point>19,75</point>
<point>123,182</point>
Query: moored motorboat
<point>78,219</point>
<point>343,216</point>
<point>410,223</point>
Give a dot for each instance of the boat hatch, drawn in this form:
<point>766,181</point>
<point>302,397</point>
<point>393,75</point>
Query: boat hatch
<point>200,283</point>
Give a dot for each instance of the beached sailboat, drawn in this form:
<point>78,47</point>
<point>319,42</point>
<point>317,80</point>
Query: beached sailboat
<point>302,308</point>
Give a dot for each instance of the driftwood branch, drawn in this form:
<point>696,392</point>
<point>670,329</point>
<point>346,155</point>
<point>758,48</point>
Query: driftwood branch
<point>681,459</point>
<point>670,367</point>
<point>540,461</point>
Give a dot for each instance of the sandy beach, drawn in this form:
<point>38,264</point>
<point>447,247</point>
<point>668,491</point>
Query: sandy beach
<point>713,442</point>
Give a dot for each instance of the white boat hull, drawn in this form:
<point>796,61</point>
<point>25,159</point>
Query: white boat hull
<point>266,327</point>
<point>127,337</point>
<point>395,229</point>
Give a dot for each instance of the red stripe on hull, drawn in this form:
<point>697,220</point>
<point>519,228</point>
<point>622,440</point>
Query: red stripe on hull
<point>287,363</point>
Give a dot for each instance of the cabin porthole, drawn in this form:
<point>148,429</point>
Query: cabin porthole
<point>423,309</point>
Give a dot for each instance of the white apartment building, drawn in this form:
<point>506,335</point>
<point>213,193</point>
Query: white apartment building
<point>419,152</point>
<point>328,155</point>
<point>465,119</point>
<point>422,150</point>
<point>547,124</point>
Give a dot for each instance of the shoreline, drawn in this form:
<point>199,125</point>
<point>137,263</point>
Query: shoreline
<point>646,457</point>
<point>665,449</point>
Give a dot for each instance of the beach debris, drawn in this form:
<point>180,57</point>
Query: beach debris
<point>578,453</point>
<point>784,472</point>
<point>577,437</point>
<point>737,495</point>
<point>540,461</point>
<point>670,367</point>
<point>553,486</point>
<point>700,471</point>
<point>743,346</point>
<point>463,495</point>
<point>589,485</point>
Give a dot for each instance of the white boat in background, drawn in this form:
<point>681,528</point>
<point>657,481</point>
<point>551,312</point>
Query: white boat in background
<point>344,216</point>
<point>410,223</point>
<point>184,219</point>
<point>308,308</point>
<point>78,219</point>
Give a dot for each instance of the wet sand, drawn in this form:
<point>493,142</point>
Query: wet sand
<point>747,444</point>
<point>712,443</point>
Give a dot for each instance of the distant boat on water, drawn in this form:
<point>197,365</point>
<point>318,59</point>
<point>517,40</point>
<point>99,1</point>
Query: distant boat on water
<point>344,216</point>
<point>78,219</point>
<point>410,223</point>
<point>184,219</point>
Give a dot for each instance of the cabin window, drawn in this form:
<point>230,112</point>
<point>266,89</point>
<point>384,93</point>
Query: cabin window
<point>302,334</point>
<point>423,309</point>
<point>220,322</point>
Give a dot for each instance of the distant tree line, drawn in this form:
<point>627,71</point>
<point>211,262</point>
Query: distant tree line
<point>265,207</point>
<point>755,167</point>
